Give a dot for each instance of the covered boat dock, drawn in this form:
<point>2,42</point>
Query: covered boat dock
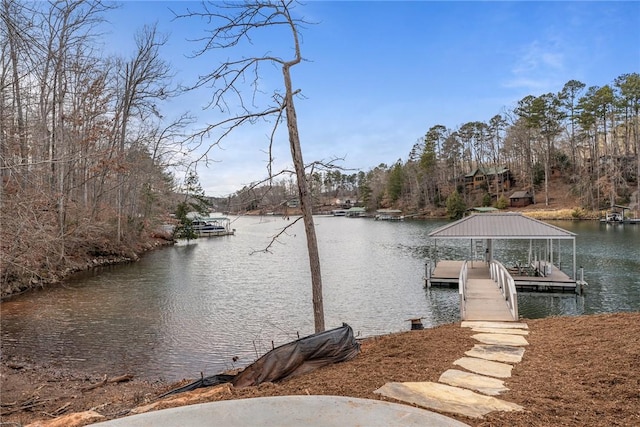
<point>539,273</point>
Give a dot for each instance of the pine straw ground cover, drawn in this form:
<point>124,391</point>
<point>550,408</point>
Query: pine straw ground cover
<point>577,371</point>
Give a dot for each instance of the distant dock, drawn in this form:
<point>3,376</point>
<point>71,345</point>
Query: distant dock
<point>216,233</point>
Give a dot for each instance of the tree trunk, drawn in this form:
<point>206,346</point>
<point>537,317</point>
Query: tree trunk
<point>547,166</point>
<point>305,204</point>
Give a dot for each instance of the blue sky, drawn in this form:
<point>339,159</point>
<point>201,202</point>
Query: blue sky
<point>379,74</point>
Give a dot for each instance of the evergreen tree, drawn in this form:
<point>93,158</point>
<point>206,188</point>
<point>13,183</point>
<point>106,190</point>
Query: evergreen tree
<point>184,229</point>
<point>396,180</point>
<point>486,199</point>
<point>194,201</point>
<point>455,206</point>
<point>502,202</point>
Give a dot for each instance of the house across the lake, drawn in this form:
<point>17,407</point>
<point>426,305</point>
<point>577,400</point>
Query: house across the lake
<point>520,199</point>
<point>493,180</point>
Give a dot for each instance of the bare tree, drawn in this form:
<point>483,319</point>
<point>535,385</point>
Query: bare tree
<point>629,86</point>
<point>142,82</point>
<point>233,25</point>
<point>59,39</point>
<point>11,15</point>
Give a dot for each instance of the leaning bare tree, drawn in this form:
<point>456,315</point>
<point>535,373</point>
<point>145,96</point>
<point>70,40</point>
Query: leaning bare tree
<point>234,24</point>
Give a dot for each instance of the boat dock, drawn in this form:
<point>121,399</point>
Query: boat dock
<point>215,233</point>
<point>618,215</point>
<point>213,227</point>
<point>538,273</point>
<point>487,292</point>
<point>447,274</point>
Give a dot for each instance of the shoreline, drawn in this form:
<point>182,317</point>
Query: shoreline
<point>577,370</point>
<point>87,263</point>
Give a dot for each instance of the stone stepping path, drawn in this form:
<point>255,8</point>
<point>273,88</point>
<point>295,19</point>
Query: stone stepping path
<point>445,398</point>
<point>505,325</point>
<point>485,367</point>
<point>481,383</point>
<point>501,331</point>
<point>501,339</point>
<point>499,353</point>
<point>471,391</point>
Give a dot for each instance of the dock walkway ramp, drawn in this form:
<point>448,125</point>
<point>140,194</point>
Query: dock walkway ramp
<point>485,298</point>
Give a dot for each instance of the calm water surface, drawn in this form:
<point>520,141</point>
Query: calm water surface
<point>192,308</point>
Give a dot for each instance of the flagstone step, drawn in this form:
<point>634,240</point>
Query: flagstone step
<point>500,339</point>
<point>484,324</point>
<point>485,367</point>
<point>446,398</point>
<point>501,331</point>
<point>497,353</point>
<point>480,383</point>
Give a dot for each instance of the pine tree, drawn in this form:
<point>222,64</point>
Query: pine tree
<point>194,201</point>
<point>455,206</point>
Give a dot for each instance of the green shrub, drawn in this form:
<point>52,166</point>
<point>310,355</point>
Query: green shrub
<point>486,199</point>
<point>502,202</point>
<point>577,213</point>
<point>455,206</point>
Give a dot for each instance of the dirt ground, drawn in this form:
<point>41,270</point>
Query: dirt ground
<point>577,371</point>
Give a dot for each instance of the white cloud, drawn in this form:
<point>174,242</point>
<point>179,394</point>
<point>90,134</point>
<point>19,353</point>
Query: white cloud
<point>537,67</point>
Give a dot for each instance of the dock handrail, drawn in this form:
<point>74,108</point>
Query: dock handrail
<point>462,289</point>
<point>507,286</point>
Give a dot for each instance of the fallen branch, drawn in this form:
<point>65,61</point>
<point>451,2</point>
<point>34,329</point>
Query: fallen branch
<point>29,404</point>
<point>121,378</point>
<point>58,411</point>
<point>96,385</point>
<point>61,409</point>
<point>105,380</point>
<point>99,407</point>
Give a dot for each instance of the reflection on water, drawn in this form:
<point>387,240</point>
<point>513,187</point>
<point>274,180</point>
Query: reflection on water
<point>535,305</point>
<point>196,308</point>
<point>443,304</point>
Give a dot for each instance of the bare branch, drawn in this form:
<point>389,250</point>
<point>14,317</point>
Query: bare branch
<point>233,24</point>
<point>227,126</point>
<point>274,239</point>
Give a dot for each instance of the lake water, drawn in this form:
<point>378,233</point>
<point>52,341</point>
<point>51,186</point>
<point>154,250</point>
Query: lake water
<point>219,303</point>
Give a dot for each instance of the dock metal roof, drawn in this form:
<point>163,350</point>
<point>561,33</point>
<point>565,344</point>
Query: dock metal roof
<point>510,225</point>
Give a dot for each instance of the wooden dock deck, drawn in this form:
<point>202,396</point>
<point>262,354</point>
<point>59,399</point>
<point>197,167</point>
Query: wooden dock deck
<point>216,233</point>
<point>483,299</point>
<point>446,274</point>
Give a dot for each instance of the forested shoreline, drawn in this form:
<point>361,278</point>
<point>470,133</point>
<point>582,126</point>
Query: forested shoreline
<point>588,137</point>
<point>91,165</point>
<point>85,153</point>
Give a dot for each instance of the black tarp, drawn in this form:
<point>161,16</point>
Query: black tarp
<point>289,360</point>
<point>202,382</point>
<point>301,356</point>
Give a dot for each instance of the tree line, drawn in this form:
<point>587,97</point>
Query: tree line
<point>589,136</point>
